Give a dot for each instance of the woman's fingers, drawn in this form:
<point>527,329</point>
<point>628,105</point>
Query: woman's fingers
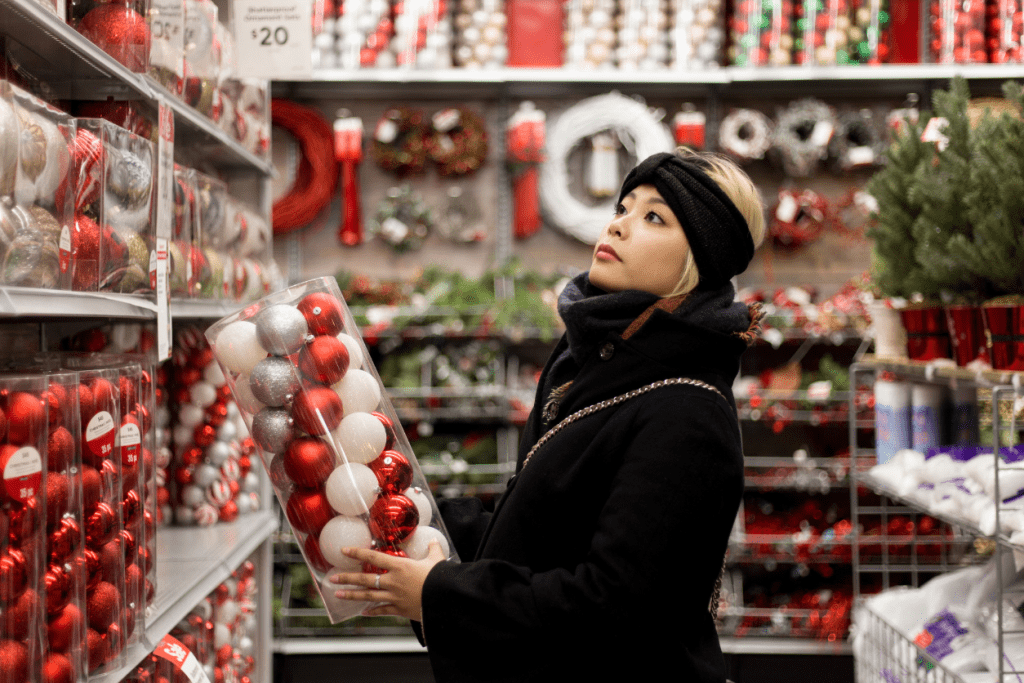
<point>377,559</point>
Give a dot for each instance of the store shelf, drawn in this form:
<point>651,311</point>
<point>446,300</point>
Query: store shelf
<point>191,563</point>
<point>526,82</point>
<point>25,302</point>
<point>351,645</point>
<point>74,68</point>
<point>940,370</point>
<point>198,308</point>
<point>783,646</point>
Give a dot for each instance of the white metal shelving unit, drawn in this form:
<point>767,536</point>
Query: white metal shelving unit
<point>191,561</point>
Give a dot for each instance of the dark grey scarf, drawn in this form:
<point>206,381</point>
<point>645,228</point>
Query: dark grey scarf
<point>590,313</point>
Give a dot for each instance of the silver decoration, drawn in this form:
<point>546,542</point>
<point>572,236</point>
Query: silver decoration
<point>272,430</point>
<point>130,179</point>
<point>281,329</point>
<point>217,453</point>
<point>273,381</point>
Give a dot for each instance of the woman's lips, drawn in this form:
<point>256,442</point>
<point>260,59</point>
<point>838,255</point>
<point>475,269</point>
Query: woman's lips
<point>606,253</point>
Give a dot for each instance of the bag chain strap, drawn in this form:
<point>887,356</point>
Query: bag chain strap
<point>590,410</point>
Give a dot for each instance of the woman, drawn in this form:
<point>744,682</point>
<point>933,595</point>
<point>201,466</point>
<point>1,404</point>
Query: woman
<point>601,558</point>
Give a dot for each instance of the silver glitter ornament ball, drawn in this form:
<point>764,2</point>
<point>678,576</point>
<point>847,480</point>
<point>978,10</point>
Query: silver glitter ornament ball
<point>281,329</point>
<point>272,430</point>
<point>130,179</point>
<point>274,381</point>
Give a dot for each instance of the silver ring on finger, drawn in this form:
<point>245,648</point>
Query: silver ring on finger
<point>376,582</point>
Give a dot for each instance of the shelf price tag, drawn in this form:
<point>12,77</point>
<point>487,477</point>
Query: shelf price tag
<point>165,171</point>
<point>181,658</point>
<point>167,44</point>
<point>163,301</point>
<point>273,39</point>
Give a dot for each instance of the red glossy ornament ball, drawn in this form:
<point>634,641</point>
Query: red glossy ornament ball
<point>13,662</point>
<point>278,477</point>
<point>65,540</point>
<point>26,418</point>
<point>103,606</point>
<point>100,525</point>
<point>229,511</point>
<point>313,554</point>
<point>60,448</point>
<point>60,630</point>
<point>24,520</point>
<point>216,414</point>
<point>134,583</point>
<point>91,567</point>
<point>20,615</point>
<point>317,410</point>
<point>119,31</point>
<point>192,456</point>
<point>308,511</point>
<point>308,462</point>
<point>128,393</point>
<point>393,518</point>
<point>142,414</point>
<point>58,586</point>
<point>112,562</point>
<point>393,470</point>
<point>322,313</point>
<point>58,669</point>
<point>130,546</point>
<point>204,435</point>
<point>13,575</point>
<point>389,429</point>
<point>131,508</point>
<point>324,360</point>
<point>86,403</point>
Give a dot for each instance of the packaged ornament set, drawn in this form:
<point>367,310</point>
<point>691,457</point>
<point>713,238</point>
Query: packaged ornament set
<point>340,464</point>
<point>78,569</point>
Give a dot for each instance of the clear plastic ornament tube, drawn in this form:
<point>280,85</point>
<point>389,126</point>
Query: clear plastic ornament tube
<point>340,463</point>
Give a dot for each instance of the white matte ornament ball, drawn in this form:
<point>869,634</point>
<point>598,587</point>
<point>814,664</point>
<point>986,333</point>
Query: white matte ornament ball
<point>185,515</point>
<point>190,415</point>
<point>243,396</point>
<point>281,329</point>
<point>351,489</point>
<point>343,532</point>
<point>361,437</point>
<point>359,392</point>
<point>205,475</point>
<point>422,501</point>
<point>218,452</point>
<point>339,609</point>
<point>203,394</point>
<point>246,647</point>
<point>192,496</point>
<point>250,482</point>
<point>214,375</point>
<point>221,635</point>
<point>238,347</point>
<point>182,434</point>
<point>418,544</point>
<point>355,352</point>
<point>244,503</point>
<point>226,612</point>
<point>227,431</point>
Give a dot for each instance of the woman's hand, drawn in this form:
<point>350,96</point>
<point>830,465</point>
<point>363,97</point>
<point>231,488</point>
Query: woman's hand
<point>401,587</point>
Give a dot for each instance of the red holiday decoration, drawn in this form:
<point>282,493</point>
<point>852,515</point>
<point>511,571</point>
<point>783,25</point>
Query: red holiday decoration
<point>348,150</point>
<point>119,31</point>
<point>308,462</point>
<point>308,511</point>
<point>317,410</point>
<point>26,418</point>
<point>393,518</point>
<point>393,470</point>
<point>389,427</point>
<point>927,332</point>
<point>324,360</point>
<point>525,149</point>
<point>103,606</point>
<point>322,313</point>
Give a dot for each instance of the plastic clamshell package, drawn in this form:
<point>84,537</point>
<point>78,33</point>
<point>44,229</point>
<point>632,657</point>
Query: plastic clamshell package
<point>340,464</point>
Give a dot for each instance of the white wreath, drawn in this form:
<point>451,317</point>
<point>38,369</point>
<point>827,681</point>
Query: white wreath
<point>746,134</point>
<point>635,126</point>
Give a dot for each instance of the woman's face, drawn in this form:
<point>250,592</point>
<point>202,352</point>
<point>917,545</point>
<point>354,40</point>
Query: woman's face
<point>643,247</point>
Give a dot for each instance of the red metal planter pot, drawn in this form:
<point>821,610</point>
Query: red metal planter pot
<point>927,333</point>
<point>1004,327</point>
<point>967,333</point>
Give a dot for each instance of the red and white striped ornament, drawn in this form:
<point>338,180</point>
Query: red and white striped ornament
<point>89,153</point>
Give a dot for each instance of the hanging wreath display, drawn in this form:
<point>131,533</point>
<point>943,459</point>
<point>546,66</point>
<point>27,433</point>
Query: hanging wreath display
<point>800,217</point>
<point>458,141</point>
<point>637,129</point>
<point>859,141</point>
<point>856,212</point>
<point>317,173</point>
<point>403,219</point>
<point>401,141</point>
<point>802,135</point>
<point>745,134</point>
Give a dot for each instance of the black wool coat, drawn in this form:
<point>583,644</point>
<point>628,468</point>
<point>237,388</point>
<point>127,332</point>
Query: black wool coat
<point>601,557</point>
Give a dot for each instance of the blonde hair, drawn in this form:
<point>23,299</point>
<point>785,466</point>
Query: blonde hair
<point>738,186</point>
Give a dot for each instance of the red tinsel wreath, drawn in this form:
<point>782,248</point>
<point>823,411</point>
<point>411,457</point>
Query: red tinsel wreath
<point>458,142</point>
<point>799,218</point>
<point>401,141</point>
<point>317,173</point>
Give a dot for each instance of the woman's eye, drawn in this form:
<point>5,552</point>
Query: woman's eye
<point>619,209</point>
<point>653,217</point>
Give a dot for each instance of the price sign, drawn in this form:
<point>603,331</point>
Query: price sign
<point>274,39</point>
<point>167,43</point>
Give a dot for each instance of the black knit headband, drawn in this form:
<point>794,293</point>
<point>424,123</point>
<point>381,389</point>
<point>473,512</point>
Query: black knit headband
<point>716,230</point>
